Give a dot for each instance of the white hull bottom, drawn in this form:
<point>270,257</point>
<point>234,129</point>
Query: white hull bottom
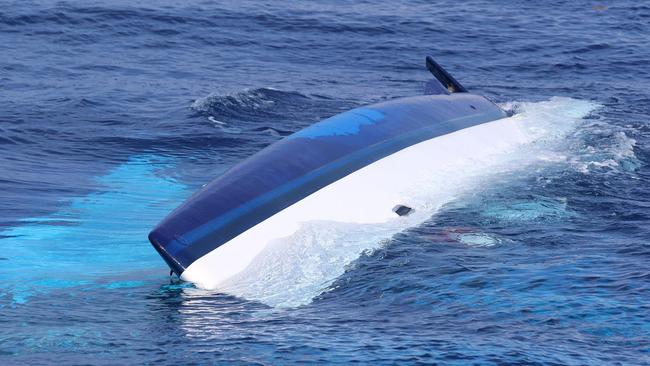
<point>368,195</point>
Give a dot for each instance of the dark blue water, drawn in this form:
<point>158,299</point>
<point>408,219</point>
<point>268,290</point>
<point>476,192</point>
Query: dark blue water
<point>113,112</point>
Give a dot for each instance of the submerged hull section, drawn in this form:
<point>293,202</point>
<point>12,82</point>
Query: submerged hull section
<point>353,167</point>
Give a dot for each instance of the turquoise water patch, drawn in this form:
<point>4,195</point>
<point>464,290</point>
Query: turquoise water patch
<point>100,234</point>
<point>347,123</point>
<point>124,284</point>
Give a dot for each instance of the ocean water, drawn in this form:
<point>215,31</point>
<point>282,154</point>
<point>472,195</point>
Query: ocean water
<point>113,112</point>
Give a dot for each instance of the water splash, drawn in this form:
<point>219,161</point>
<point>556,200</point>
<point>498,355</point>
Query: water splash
<point>606,149</point>
<point>595,146</point>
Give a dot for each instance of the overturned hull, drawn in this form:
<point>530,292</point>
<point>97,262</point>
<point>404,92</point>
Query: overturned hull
<point>360,166</point>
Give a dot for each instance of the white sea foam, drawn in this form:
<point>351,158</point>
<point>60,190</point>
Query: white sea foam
<point>611,150</point>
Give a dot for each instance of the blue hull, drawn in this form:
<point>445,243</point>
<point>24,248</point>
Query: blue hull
<point>301,164</point>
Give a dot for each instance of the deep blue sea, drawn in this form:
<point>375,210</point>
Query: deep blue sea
<point>113,112</point>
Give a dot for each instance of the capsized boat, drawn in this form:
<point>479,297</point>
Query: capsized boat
<point>358,166</point>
